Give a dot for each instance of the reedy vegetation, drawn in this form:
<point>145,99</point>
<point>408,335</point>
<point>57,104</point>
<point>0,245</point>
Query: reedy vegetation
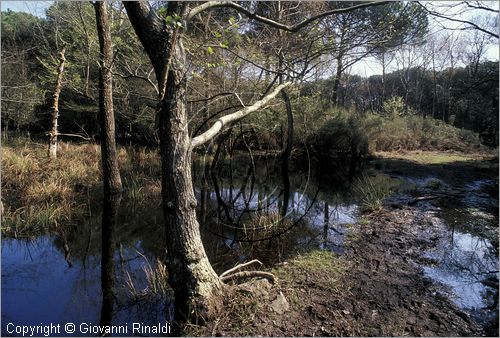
<point>40,195</point>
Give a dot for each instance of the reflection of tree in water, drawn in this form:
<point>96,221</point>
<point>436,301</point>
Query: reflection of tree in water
<point>469,264</point>
<point>259,215</point>
<point>110,207</point>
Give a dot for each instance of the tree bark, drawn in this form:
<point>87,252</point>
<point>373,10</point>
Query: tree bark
<point>336,81</point>
<point>55,106</point>
<point>111,173</point>
<point>197,288</point>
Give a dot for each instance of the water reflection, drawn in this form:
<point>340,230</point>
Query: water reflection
<point>111,203</point>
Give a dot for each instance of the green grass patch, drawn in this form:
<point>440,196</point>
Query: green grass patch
<point>322,268</point>
<point>433,157</point>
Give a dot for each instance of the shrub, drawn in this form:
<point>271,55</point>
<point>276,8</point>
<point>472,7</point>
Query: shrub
<point>414,132</point>
<point>340,142</point>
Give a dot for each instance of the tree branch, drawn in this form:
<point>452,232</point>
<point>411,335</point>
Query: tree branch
<point>134,76</point>
<point>294,28</point>
<point>481,7</point>
<point>249,274</point>
<point>470,23</point>
<point>239,267</point>
<point>152,33</point>
<point>238,115</point>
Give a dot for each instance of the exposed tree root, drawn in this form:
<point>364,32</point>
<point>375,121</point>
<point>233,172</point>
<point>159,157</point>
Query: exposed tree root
<point>239,267</point>
<point>235,273</point>
<point>249,274</point>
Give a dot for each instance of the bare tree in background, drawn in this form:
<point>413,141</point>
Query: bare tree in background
<point>55,105</point>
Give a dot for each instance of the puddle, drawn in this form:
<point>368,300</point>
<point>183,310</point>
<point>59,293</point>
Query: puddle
<point>465,255</point>
<point>39,286</point>
<point>464,262</point>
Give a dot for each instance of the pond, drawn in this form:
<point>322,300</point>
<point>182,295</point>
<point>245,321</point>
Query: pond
<point>244,215</point>
<point>58,278</point>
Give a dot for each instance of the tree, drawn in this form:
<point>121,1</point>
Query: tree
<point>55,106</point>
<point>111,173</point>
<point>196,286</point>
<point>372,31</point>
<point>455,11</point>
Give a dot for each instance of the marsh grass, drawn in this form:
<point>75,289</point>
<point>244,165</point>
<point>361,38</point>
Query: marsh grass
<point>327,266</point>
<point>437,157</point>
<point>41,195</point>
<point>156,281</point>
<point>157,278</point>
<point>372,190</point>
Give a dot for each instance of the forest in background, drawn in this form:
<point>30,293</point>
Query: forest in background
<point>239,125</point>
<point>435,78</point>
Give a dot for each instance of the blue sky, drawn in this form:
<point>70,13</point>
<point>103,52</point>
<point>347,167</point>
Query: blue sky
<point>34,7</point>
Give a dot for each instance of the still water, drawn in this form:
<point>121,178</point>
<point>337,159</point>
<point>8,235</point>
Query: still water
<point>66,278</point>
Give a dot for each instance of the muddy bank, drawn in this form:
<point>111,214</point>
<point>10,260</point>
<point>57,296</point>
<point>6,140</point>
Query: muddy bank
<point>377,288</point>
<point>397,275</point>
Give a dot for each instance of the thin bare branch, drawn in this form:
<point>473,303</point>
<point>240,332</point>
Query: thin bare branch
<point>481,7</point>
<point>239,267</point>
<point>294,28</point>
<point>133,76</point>
<point>470,23</point>
<point>238,115</point>
<point>249,274</point>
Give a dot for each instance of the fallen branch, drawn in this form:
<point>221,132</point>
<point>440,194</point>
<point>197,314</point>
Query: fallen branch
<point>239,267</point>
<point>76,135</point>
<point>249,274</point>
<point>422,198</point>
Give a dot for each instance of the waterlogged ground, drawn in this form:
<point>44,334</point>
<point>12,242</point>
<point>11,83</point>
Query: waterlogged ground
<point>56,278</point>
<point>426,267</point>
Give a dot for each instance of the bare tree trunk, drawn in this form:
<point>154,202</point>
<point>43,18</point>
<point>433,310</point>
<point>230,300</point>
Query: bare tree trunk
<point>111,173</point>
<point>434,85</point>
<point>196,285</point>
<point>336,81</point>
<point>55,106</point>
<point>383,76</point>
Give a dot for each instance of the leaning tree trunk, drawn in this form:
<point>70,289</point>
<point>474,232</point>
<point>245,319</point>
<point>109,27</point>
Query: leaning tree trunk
<point>55,106</point>
<point>111,173</point>
<point>197,287</point>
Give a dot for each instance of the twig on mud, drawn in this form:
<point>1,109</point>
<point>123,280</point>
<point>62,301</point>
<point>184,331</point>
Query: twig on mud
<point>249,274</point>
<point>422,198</point>
<point>239,267</point>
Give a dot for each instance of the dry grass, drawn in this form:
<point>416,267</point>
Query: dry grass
<point>157,281</point>
<point>434,157</point>
<point>39,194</point>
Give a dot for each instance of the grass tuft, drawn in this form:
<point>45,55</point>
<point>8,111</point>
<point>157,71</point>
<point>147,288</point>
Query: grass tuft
<point>372,190</point>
